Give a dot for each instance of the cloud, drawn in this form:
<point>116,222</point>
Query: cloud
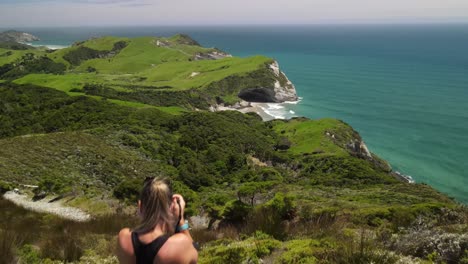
<point>15,13</point>
<point>112,2</point>
<point>94,2</point>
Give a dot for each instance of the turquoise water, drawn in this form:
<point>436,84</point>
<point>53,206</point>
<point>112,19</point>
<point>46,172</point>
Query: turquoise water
<point>404,88</point>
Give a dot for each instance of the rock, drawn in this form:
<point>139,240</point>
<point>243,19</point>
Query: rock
<point>285,92</point>
<point>200,222</point>
<point>359,148</point>
<point>194,74</point>
<point>243,103</point>
<point>16,36</point>
<point>258,95</point>
<point>215,225</point>
<point>282,90</point>
<point>41,195</point>
<point>213,55</point>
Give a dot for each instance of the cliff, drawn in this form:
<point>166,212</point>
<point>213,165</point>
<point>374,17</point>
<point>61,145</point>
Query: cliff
<point>16,36</point>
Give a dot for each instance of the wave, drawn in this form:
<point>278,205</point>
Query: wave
<point>276,110</point>
<point>294,102</point>
<point>52,47</point>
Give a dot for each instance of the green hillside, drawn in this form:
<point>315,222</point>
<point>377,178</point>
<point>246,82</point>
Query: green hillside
<point>88,123</point>
<point>147,70</point>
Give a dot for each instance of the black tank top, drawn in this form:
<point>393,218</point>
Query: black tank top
<point>145,253</point>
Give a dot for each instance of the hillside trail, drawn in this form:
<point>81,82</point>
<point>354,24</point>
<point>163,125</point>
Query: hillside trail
<point>44,206</point>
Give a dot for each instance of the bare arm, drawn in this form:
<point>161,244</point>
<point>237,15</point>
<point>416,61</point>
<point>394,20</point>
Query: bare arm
<point>181,203</point>
<point>125,247</point>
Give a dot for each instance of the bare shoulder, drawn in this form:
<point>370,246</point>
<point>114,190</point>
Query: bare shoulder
<point>171,251</point>
<point>125,234</point>
<point>125,231</point>
<point>125,241</point>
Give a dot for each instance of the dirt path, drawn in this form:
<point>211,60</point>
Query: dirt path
<point>44,206</point>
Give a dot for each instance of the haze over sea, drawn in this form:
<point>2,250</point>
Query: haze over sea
<point>404,88</point>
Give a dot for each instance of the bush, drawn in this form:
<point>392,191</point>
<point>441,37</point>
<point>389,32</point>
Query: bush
<point>5,187</point>
<point>54,184</point>
<point>129,190</point>
<point>299,251</point>
<point>76,90</point>
<point>249,250</point>
<point>248,191</point>
<point>75,57</point>
<point>29,254</point>
<point>30,63</point>
<point>236,211</point>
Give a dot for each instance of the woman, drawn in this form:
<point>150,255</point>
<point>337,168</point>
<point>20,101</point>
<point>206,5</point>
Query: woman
<point>154,241</point>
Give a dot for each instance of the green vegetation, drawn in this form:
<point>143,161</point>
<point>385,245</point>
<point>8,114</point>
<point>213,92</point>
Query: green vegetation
<point>155,71</point>
<point>87,124</point>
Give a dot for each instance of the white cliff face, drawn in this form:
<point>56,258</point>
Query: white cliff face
<point>17,36</point>
<point>275,68</point>
<point>286,92</point>
<point>26,37</point>
<point>365,150</point>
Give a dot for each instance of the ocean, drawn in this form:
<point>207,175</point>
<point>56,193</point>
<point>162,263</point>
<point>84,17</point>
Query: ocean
<point>404,88</point>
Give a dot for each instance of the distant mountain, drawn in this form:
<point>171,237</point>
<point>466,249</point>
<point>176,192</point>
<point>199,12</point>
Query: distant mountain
<point>16,36</point>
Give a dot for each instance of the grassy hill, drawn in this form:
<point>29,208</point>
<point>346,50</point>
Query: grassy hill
<point>148,70</point>
<point>296,191</point>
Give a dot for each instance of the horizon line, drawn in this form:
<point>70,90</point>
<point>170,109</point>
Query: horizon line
<point>386,23</point>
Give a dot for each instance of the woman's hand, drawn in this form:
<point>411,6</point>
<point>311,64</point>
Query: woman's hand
<point>178,200</point>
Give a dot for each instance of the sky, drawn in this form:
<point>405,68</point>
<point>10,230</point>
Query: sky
<point>30,13</point>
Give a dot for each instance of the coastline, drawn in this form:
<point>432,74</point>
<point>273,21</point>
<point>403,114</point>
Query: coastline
<point>48,46</point>
<point>267,111</point>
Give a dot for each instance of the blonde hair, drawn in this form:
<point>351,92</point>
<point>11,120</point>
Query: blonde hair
<point>156,199</point>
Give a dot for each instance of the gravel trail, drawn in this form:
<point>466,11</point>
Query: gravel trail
<point>44,206</point>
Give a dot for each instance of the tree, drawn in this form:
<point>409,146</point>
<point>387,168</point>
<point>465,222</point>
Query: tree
<point>249,190</point>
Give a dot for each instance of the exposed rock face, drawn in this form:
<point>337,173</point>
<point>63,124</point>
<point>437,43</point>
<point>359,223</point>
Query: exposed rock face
<point>284,89</point>
<point>16,36</point>
<point>359,148</point>
<point>281,89</point>
<point>259,95</point>
<point>213,55</point>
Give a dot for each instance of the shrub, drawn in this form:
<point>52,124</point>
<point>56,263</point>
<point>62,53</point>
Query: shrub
<point>248,191</point>
<point>30,63</point>
<point>54,184</point>
<point>236,211</point>
<point>5,187</point>
<point>447,247</point>
<point>29,254</point>
<point>299,251</point>
<point>76,90</point>
<point>75,57</point>
<point>249,250</point>
<point>128,190</point>
<point>225,254</point>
